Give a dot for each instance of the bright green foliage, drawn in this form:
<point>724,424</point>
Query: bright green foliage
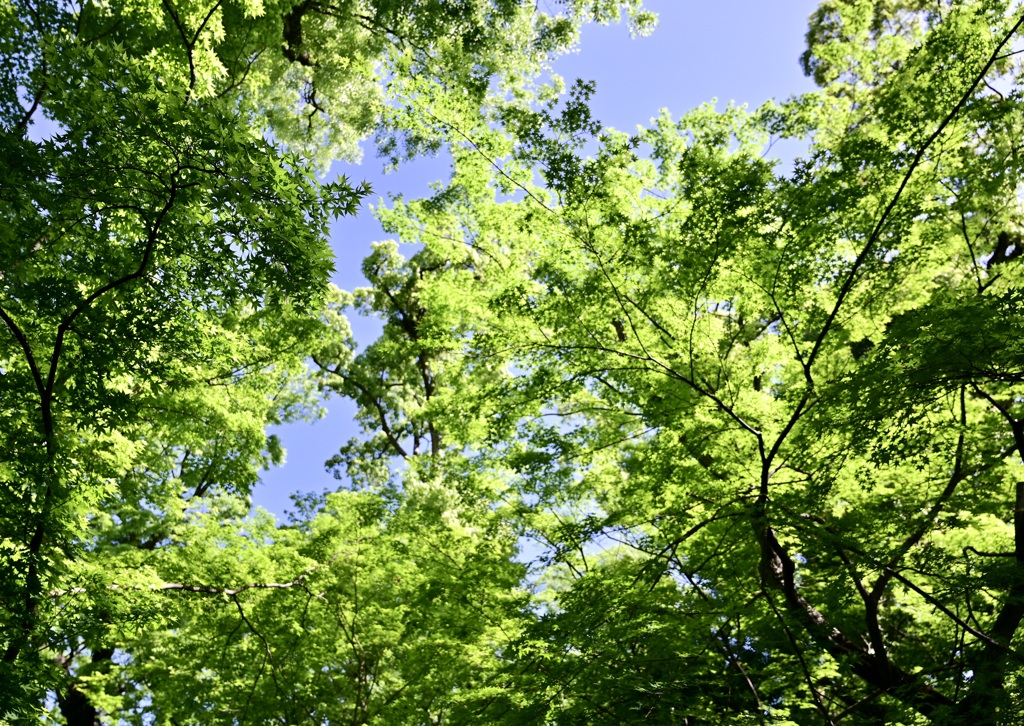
<point>150,267</point>
<point>164,280</point>
<point>762,430</point>
<point>362,613</point>
<point>766,426</point>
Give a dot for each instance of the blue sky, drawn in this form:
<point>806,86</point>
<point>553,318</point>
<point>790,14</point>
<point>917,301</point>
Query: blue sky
<point>745,51</point>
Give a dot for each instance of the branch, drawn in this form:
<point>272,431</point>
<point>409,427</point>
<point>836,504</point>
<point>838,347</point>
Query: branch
<point>1016,426</point>
<point>26,348</point>
<point>955,478</point>
<point>779,570</point>
<point>188,46</point>
<point>44,73</point>
<point>934,602</point>
<point>876,233</point>
<point>36,99</point>
<point>668,552</point>
<point>147,255</point>
<point>988,554</point>
<point>266,644</point>
<point>374,400</point>
<point>800,657</point>
<point>203,589</point>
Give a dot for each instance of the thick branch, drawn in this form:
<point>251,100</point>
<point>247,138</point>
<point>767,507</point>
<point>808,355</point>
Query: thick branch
<point>779,572</point>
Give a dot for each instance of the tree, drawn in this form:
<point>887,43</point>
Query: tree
<point>766,426</point>
<point>364,613</point>
<point>165,270</point>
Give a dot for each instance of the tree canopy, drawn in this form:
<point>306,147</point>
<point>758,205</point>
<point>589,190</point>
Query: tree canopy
<point>657,428</point>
